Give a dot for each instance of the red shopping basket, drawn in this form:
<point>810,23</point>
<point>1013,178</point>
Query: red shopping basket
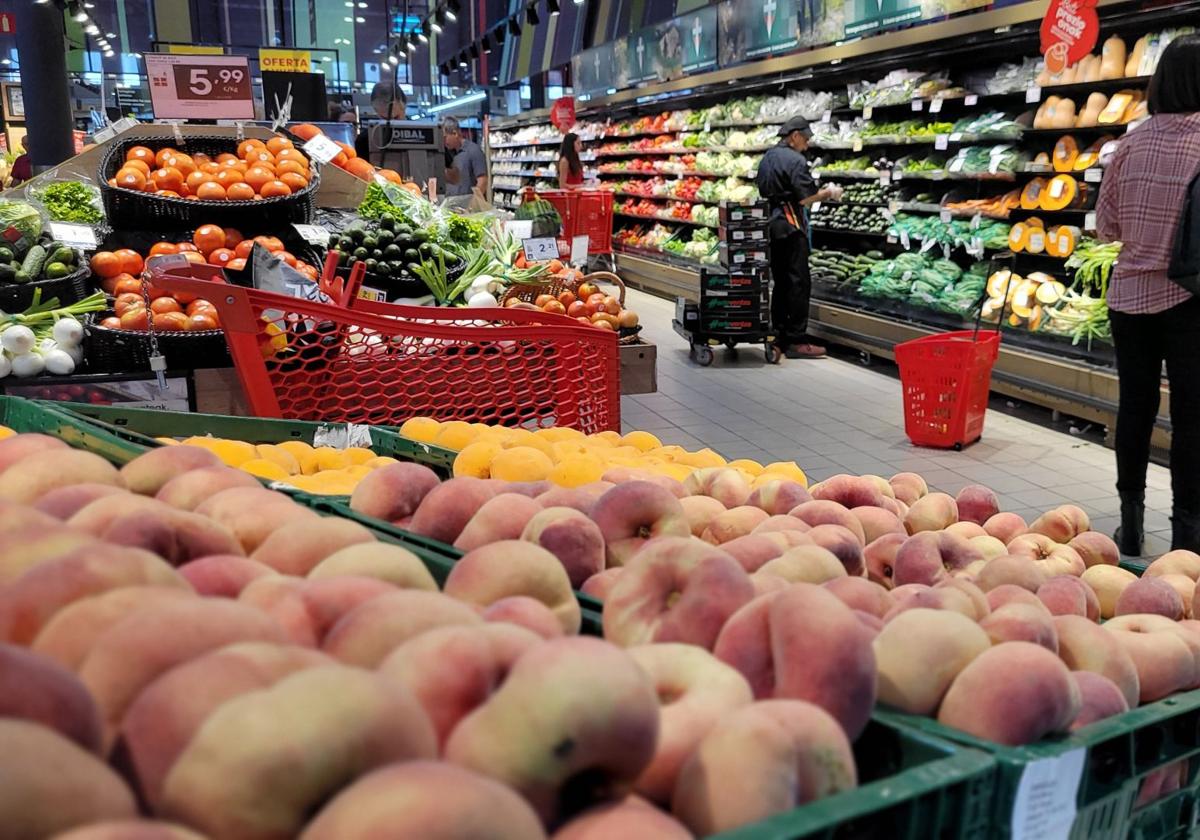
<point>381,364</point>
<point>584,213</point>
<point>946,379</point>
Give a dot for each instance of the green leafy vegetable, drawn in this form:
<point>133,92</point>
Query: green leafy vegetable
<point>71,201</point>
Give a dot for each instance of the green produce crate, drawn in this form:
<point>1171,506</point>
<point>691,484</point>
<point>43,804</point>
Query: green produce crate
<point>24,415</point>
<point>1118,753</point>
<point>142,425</point>
<point>912,786</point>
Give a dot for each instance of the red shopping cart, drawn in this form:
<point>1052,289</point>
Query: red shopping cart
<point>584,213</point>
<point>381,363</point>
<point>946,380</point>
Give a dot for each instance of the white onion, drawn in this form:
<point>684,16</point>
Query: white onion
<point>481,300</point>
<point>59,363</point>
<point>75,351</point>
<point>68,332</point>
<point>5,366</point>
<point>18,340</point>
<point>27,364</point>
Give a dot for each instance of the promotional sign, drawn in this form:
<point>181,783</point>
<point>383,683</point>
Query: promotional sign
<point>200,87</point>
<point>699,39</point>
<point>562,113</point>
<point>189,49</point>
<point>8,23</point>
<point>287,61</point>
<point>640,57</point>
<point>756,29</point>
<point>864,17</point>
<point>1070,30</point>
<point>593,72</point>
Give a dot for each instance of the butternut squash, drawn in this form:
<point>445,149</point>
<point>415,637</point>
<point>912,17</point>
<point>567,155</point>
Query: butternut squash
<point>1064,114</point>
<point>1136,111</point>
<point>1031,195</point>
<point>1091,156</point>
<point>1090,115</point>
<point>1062,192</point>
<point>1133,67</point>
<point>1090,69</point>
<point>1114,111</point>
<point>1066,150</point>
<point>1061,242</point>
<point>1018,235</point>
<point>1045,112</point>
<point>1113,58</point>
<point>1035,243</point>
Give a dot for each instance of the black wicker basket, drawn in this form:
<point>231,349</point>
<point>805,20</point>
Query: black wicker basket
<point>125,351</point>
<point>17,297</point>
<point>405,286</point>
<point>127,208</point>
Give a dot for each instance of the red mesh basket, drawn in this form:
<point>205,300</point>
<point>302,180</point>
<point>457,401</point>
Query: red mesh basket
<point>381,363</point>
<point>946,379</point>
<point>584,212</point>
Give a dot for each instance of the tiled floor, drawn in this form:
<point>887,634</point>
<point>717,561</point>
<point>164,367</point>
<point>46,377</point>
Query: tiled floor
<point>833,416</point>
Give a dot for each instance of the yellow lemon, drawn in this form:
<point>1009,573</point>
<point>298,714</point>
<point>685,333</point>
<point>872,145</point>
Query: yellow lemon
<point>521,463</point>
<point>610,438</point>
<point>642,440</point>
<point>475,461</point>
<point>421,429</point>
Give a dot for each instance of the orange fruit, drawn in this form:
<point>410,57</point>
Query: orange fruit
<point>143,154</point>
<point>220,256</point>
<point>239,192</point>
<point>295,182</point>
<point>105,264</point>
<point>226,157</point>
<point>128,285</point>
<point>305,131</point>
<point>164,305</point>
<point>131,260</point>
<point>232,237</point>
<point>167,178</point>
<point>182,162</point>
<point>391,175</point>
<point>171,322</point>
<point>360,168</point>
<point>195,179</point>
<point>236,264</point>
<point>340,160</point>
<point>277,143</point>
<point>163,248</point>
<point>126,301</point>
<point>247,145</point>
<point>139,165</point>
<point>287,257</point>
<point>348,149</point>
<point>187,246</point>
<point>200,158</point>
<point>161,157</point>
<point>131,178</point>
<point>168,193</point>
<point>272,243</point>
<point>242,250</point>
<point>271,189</point>
<point>211,191</point>
<point>291,165</point>
<point>210,167</point>
<point>256,155</point>
<point>194,258</point>
<point>208,238</point>
<point>229,176</point>
<point>297,155</point>
<point>256,176</point>
<point>203,321</point>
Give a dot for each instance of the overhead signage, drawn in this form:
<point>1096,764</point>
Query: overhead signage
<point>699,30</point>
<point>190,49</point>
<point>752,29</point>
<point>200,87</point>
<point>562,113</point>
<point>285,61</point>
<point>637,58</point>
<point>1070,30</point>
<point>865,17</point>
<point>592,71</point>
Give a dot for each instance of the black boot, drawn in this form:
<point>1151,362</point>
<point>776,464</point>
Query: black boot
<point>1185,530</point>
<point>1131,535</point>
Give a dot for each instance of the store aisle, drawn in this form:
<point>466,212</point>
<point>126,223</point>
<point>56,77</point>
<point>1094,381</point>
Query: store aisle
<point>833,416</point>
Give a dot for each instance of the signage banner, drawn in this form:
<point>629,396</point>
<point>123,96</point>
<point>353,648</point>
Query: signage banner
<point>752,29</point>
<point>285,61</point>
<point>562,113</point>
<point>200,87</point>
<point>688,43</point>
<point>866,17</point>
<point>1070,30</point>
<point>637,57</point>
<point>593,73</point>
<point>188,49</point>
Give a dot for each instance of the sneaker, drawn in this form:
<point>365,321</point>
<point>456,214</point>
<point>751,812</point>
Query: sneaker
<point>804,351</point>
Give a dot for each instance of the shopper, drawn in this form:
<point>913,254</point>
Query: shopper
<point>389,103</point>
<point>1154,320</point>
<point>785,182</point>
<point>466,168</point>
<point>570,166</point>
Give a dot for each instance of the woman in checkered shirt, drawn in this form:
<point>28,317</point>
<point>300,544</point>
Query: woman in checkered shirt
<point>1153,319</point>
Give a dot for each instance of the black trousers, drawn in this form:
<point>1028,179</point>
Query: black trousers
<point>1143,343</point>
<point>793,288</point>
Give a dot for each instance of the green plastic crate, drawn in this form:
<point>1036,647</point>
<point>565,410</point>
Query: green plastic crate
<point>912,786</point>
<point>1120,752</point>
<point>24,415</point>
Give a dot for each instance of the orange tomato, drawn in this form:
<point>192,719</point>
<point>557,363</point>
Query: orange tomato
<point>211,191</point>
<point>226,158</point>
<point>171,322</point>
<point>242,250</point>
<point>194,257</point>
<point>340,160</point>
<point>200,158</point>
<point>220,256</point>
<point>272,243</point>
<point>391,175</point>
<point>361,169</point>
<point>210,167</point>
<point>260,155</point>
<point>128,286</point>
<point>271,189</point>
<point>167,178</point>
<point>246,146</point>
<point>131,260</point>
<point>305,131</point>
<point>208,238</point>
<point>230,176</point>
<point>291,166</point>
<point>135,319</point>
<point>131,178</point>
<point>236,264</point>
<point>111,323</point>
<point>240,192</point>
<point>256,176</point>
<point>142,153</point>
<point>277,143</point>
<point>182,162</point>
<point>163,248</point>
<point>232,237</point>
<point>203,321</point>
<point>295,182</point>
<point>195,179</point>
<point>160,159</point>
<point>184,247</point>
<point>164,305</point>
<point>287,257</point>
<point>139,165</point>
<point>308,271</point>
<point>105,264</point>
<point>127,301</point>
<point>200,305</point>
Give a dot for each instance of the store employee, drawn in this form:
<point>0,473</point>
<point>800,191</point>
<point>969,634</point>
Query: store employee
<point>786,183</point>
<point>466,167</point>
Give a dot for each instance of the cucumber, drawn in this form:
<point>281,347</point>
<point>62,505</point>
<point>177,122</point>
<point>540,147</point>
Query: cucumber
<point>8,274</point>
<point>7,254</point>
<point>34,260</point>
<point>63,254</point>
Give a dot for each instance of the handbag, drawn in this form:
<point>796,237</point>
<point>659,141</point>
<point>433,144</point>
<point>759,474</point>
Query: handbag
<point>1184,268</point>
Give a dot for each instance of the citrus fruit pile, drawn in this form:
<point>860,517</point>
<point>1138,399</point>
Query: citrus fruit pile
<point>348,159</point>
<point>259,170</point>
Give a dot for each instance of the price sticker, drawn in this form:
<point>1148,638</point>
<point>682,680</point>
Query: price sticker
<point>1093,175</point>
<point>868,112</point>
<point>77,236</point>
<point>885,179</point>
<point>918,105</point>
<point>941,142</point>
<point>1056,188</point>
<point>891,239</point>
<point>313,234</point>
<point>1033,95</point>
<point>1047,796</point>
<point>970,99</point>
<point>827,117</point>
<point>946,216</point>
<point>858,144</point>
<point>816,207</point>
<point>540,248</point>
<point>935,107</point>
<point>322,149</point>
<point>956,136</point>
<point>1089,221</point>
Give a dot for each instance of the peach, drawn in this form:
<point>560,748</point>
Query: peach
<point>1021,623</point>
<point>69,635</point>
<point>526,612</point>
<point>1149,595</point>
<point>502,517</point>
<point>252,514</point>
<point>1011,593</point>
<point>695,690</point>
<point>966,530</point>
<point>365,634</point>
<point>783,753</point>
<point>23,548</point>
<point>780,522</point>
<point>988,546</point>
<point>170,711</point>
<point>1163,660</point>
<point>927,557</point>
<point>299,547</point>
<point>914,596</point>
<point>1108,582</point>
<point>908,487</point>
<point>1086,646</point>
<point>931,513</point>
<point>33,599</point>
<point>700,511</point>
<point>633,513</point>
<point>971,571</point>
<point>1008,568</point>
<point>601,583</point>
<point>37,474</point>
<point>98,515</point>
<point>849,491</point>
<point>596,743</point>
<point>410,800</point>
<point>1150,623</point>
<point>899,508</point>
<point>1185,586</point>
<point>1005,527</point>
<point>861,594</point>
<point>844,544</point>
<point>528,489</point>
<point>223,575</point>
<point>308,609</point>
<point>514,567</point>
<point>291,747</point>
<point>880,559</point>
<point>976,598</point>
<point>52,785</point>
<point>876,522</point>
<point>753,550</point>
<point>920,652</point>
<point>1053,558</point>
<point>885,486</point>
<point>38,689</point>
<point>629,817</point>
<point>444,509</point>
<point>1013,693</point>
<point>726,485</point>
<point>17,517</point>
<point>1069,595</point>
<point>130,830</point>
<point>805,564</point>
<point>1100,698</point>
<point>675,590</point>
<point>395,491</point>
<point>189,490</point>
<point>1060,524</point>
<point>777,497</point>
<point>146,474</point>
<point>872,623</point>
<point>803,643</point>
<point>18,447</point>
<point>825,512</point>
<point>64,502</point>
<point>733,523</point>
<point>1178,562</point>
<point>977,504</point>
<point>451,670</point>
<point>582,499</point>
<point>174,535</point>
<point>387,562</point>
<point>1095,548</point>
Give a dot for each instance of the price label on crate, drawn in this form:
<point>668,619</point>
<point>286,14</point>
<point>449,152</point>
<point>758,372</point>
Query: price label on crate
<point>540,248</point>
<point>1093,175</point>
<point>1045,803</point>
<point>322,149</point>
<point>970,99</point>
<point>868,112</point>
<point>1089,221</point>
<point>935,107</point>
<point>313,234</point>
<point>946,217</point>
<point>827,117</point>
<point>918,105</point>
<point>77,236</point>
<point>858,144</point>
<point>941,142</point>
<point>1033,95</point>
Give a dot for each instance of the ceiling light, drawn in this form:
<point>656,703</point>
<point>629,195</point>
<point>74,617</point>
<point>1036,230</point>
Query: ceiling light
<point>487,45</point>
<point>392,60</point>
<point>424,38</point>
<point>110,34</point>
<point>361,4</point>
<point>348,19</point>
<point>137,55</point>
<point>77,13</point>
<point>41,2</point>
<point>109,53</point>
<point>578,2</point>
<point>552,7</point>
<point>436,27</point>
<point>412,46</point>
<point>462,100</point>
<point>5,61</point>
<point>360,20</point>
<point>531,15</point>
<point>513,26</point>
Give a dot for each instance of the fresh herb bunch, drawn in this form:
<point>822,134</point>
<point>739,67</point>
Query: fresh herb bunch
<point>376,203</point>
<point>70,201</point>
<point>463,231</point>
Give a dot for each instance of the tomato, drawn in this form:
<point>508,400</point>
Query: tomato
<point>126,301</point>
<point>171,322</point>
<point>200,305</point>
<point>232,237</point>
<point>272,243</point>
<point>243,249</point>
<point>131,261</point>
<point>194,257</point>
<point>566,298</point>
<point>111,323</point>
<point>586,290</point>
<point>555,307</point>
<point>130,286</point>
<point>287,258</point>
<point>164,305</point>
<point>135,319</point>
<point>203,321</point>
<point>209,238</point>
<point>105,264</point>
<point>596,301</point>
<point>163,248</point>
<point>580,309</point>
<point>542,300</point>
<point>220,256</point>
<point>236,264</point>
<point>187,246</point>
<point>612,306</point>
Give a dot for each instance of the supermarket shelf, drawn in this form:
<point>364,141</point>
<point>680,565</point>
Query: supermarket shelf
<point>523,145</point>
<point>668,219</point>
<point>525,173</point>
<point>683,150</point>
<point>848,232</point>
<point>687,174</point>
<point>1091,131</point>
<point>661,197</point>
<point>658,273</point>
<point>497,160</point>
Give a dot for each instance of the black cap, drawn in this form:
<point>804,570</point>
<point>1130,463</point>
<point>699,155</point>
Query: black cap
<point>795,124</point>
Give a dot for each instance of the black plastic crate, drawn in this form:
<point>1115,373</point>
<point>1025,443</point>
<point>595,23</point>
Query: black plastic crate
<point>732,303</point>
<point>743,254</point>
<point>751,323</point>
<point>743,235</point>
<point>754,213</point>
<point>743,281</point>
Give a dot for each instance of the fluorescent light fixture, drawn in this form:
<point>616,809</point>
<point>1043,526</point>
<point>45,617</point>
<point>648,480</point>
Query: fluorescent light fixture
<point>92,29</point>
<point>450,16</point>
<point>348,19</point>
<point>392,60</point>
<point>552,7</point>
<point>110,34</point>
<point>424,38</point>
<point>465,99</point>
<point>412,47</point>
<point>436,27</point>
<point>360,20</point>
<point>77,13</point>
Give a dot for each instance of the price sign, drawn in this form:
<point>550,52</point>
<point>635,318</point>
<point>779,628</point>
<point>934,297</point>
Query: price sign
<point>1089,221</point>
<point>200,86</point>
<point>956,136</point>
<point>579,249</point>
<point>970,99</point>
<point>918,105</point>
<point>322,149</point>
<point>313,234</point>
<point>77,236</point>
<point>1033,95</point>
<point>935,107</point>
<point>540,248</point>
<point>827,117</point>
<point>816,207</point>
<point>885,179</point>
<point>1092,176</point>
<point>947,216</point>
<point>1045,804</point>
<point>868,112</point>
<point>858,144</point>
<point>941,142</point>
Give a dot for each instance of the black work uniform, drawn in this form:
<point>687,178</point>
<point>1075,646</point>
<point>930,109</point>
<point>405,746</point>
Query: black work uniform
<point>784,181</point>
